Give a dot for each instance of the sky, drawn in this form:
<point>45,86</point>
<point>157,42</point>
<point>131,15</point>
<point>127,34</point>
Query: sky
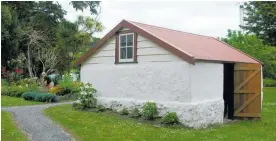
<point>205,18</point>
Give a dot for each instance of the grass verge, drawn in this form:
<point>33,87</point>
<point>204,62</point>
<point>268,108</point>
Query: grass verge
<point>7,101</point>
<point>269,95</point>
<point>9,131</point>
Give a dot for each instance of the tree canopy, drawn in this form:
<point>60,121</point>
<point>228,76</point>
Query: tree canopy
<point>31,29</point>
<point>260,19</point>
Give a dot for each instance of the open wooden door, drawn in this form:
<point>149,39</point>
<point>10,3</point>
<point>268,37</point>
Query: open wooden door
<point>247,90</point>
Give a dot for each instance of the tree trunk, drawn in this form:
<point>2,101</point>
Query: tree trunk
<point>29,62</point>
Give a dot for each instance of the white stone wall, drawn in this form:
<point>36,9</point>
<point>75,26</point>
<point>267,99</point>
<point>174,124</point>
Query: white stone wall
<point>159,76</point>
<point>206,82</point>
<point>158,81</point>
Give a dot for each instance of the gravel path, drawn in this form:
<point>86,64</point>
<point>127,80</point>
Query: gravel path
<point>37,126</point>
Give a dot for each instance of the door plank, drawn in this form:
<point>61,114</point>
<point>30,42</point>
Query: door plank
<point>247,80</point>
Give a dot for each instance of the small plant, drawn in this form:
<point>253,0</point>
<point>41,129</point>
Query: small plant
<point>135,113</point>
<point>149,110</point>
<point>170,118</point>
<point>124,112</point>
<point>100,108</point>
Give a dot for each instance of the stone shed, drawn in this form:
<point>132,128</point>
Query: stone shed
<point>200,78</point>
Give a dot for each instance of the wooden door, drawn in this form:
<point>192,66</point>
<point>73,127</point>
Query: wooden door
<point>247,90</point>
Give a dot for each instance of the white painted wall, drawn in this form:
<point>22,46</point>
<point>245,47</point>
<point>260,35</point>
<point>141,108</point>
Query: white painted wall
<point>156,81</point>
<point>193,91</point>
<point>207,81</point>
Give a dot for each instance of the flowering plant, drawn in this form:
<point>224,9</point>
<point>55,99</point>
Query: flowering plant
<point>11,75</point>
<point>85,97</point>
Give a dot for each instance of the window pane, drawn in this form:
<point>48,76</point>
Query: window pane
<point>129,52</point>
<point>123,53</point>
<point>122,41</point>
<point>130,40</point>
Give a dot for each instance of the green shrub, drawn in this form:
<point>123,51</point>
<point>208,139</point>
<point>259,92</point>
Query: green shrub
<point>124,112</point>
<point>149,110</point>
<point>88,104</point>
<point>5,90</point>
<point>68,86</point>
<point>170,118</point>
<point>31,83</point>
<point>135,113</point>
<point>17,91</point>
<point>4,83</point>
<point>40,97</point>
<point>100,108</point>
<point>86,96</point>
<point>269,82</point>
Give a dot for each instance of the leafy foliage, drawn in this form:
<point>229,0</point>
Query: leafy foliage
<point>30,83</point>
<point>260,19</point>
<point>67,86</point>
<point>254,47</point>
<point>149,110</point>
<point>55,90</point>
<point>135,113</point>
<point>170,118</point>
<point>269,82</point>
<point>86,98</point>
<point>100,108</point>
<point>81,5</point>
<point>13,90</point>
<point>40,97</point>
<point>39,31</point>
<point>124,111</point>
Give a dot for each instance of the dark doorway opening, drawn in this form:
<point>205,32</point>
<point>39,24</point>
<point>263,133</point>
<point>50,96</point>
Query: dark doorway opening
<point>228,90</point>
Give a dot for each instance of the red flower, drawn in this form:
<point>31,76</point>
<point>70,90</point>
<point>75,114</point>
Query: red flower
<point>18,71</point>
<point>8,72</point>
<point>3,69</point>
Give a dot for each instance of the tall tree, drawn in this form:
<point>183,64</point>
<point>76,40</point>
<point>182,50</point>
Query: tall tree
<point>260,19</point>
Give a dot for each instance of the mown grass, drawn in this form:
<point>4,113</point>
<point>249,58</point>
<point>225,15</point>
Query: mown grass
<point>269,95</point>
<point>91,126</point>
<point>7,101</point>
<point>9,131</point>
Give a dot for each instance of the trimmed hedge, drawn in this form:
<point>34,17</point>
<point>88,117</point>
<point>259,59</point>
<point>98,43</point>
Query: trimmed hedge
<point>40,97</point>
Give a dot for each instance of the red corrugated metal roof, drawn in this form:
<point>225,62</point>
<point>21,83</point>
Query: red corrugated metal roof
<point>198,46</point>
<point>188,46</point>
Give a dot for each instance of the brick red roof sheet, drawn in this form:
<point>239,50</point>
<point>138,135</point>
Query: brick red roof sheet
<point>197,46</point>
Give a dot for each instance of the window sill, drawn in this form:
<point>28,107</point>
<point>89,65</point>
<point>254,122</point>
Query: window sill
<point>126,63</point>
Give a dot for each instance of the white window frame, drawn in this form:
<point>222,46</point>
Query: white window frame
<point>130,59</point>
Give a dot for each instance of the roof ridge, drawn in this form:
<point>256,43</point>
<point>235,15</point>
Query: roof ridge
<point>170,29</point>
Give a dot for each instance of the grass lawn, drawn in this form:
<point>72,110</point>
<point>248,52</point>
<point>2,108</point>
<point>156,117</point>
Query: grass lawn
<point>7,101</point>
<point>269,95</point>
<point>102,126</point>
<point>9,131</point>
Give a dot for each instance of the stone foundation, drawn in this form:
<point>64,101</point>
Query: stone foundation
<point>193,115</point>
